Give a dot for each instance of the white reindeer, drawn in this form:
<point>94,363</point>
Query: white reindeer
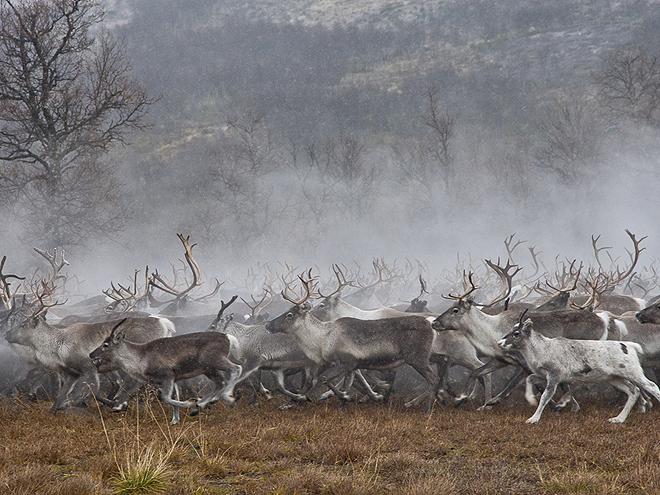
<point>560,360</point>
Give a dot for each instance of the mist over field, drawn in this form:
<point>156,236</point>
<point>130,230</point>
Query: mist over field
<point>299,132</point>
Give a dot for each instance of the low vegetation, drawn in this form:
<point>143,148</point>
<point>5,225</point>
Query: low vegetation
<point>366,448</point>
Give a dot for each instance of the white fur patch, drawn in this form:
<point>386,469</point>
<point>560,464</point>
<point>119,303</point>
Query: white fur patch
<point>623,329</point>
<point>640,302</point>
<point>605,316</point>
<point>234,345</point>
<point>167,325</point>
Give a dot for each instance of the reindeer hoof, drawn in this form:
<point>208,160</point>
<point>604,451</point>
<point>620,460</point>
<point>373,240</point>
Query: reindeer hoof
<point>286,406</point>
<point>120,407</point>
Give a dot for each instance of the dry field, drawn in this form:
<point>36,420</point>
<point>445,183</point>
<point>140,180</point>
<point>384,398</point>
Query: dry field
<point>366,448</point>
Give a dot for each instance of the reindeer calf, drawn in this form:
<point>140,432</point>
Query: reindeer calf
<point>166,361</point>
<point>562,360</point>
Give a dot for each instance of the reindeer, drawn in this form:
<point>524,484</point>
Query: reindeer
<point>448,349</point>
<point>181,303</point>
<point>484,332</point>
<point>257,349</point>
<point>167,360</point>
<point>66,350</point>
<point>559,360</point>
<point>365,294</point>
<point>348,344</point>
<point>617,304</point>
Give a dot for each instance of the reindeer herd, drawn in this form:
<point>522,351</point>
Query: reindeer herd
<point>570,325</point>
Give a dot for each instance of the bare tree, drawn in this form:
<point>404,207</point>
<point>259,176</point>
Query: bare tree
<point>628,83</point>
<point>569,137</point>
<point>431,158</point>
<point>252,143</point>
<point>442,124</point>
<point>245,209</point>
<point>66,96</point>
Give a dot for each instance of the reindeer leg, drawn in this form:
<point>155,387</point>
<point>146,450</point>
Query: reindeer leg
<point>225,393</point>
<point>175,410</point>
<point>165,395</point>
<point>62,399</point>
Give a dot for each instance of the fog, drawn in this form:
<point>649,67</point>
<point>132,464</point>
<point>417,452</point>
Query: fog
<point>315,181</point>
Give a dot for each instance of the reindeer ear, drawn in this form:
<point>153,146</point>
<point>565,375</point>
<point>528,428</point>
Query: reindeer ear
<point>306,306</point>
<point>527,326</point>
<point>117,335</point>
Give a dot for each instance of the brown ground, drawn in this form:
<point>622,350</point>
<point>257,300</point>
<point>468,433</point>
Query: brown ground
<point>367,448</point>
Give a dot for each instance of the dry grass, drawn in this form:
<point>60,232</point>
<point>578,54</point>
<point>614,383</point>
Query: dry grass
<point>367,448</point>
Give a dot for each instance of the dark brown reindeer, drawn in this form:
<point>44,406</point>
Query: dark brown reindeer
<point>345,345</point>
<point>417,304</point>
<point>650,314</point>
<point>168,360</point>
<point>558,294</point>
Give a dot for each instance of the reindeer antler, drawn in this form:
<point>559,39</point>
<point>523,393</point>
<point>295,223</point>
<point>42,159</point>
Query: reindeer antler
<point>595,285</point>
<point>224,305</point>
<point>256,308</point>
<point>159,283</point>
<point>379,267</point>
<point>341,280</point>
<point>52,259</point>
<point>509,249</point>
<point>614,279</point>
<point>564,279</point>
<point>131,297</point>
<point>47,290</point>
<point>5,293</point>
<point>307,285</point>
<point>506,279</point>
<point>467,279</point>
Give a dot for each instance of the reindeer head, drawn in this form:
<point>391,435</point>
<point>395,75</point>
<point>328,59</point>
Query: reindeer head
<point>326,310</point>
<point>35,317</point>
<point>220,322</point>
<point>516,338</point>
<point>450,319</point>
<point>103,356</point>
<point>288,322</point>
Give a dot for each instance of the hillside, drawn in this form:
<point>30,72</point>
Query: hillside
<point>299,129</point>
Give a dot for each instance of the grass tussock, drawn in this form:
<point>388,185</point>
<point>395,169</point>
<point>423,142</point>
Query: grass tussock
<point>142,472</point>
<point>318,449</point>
